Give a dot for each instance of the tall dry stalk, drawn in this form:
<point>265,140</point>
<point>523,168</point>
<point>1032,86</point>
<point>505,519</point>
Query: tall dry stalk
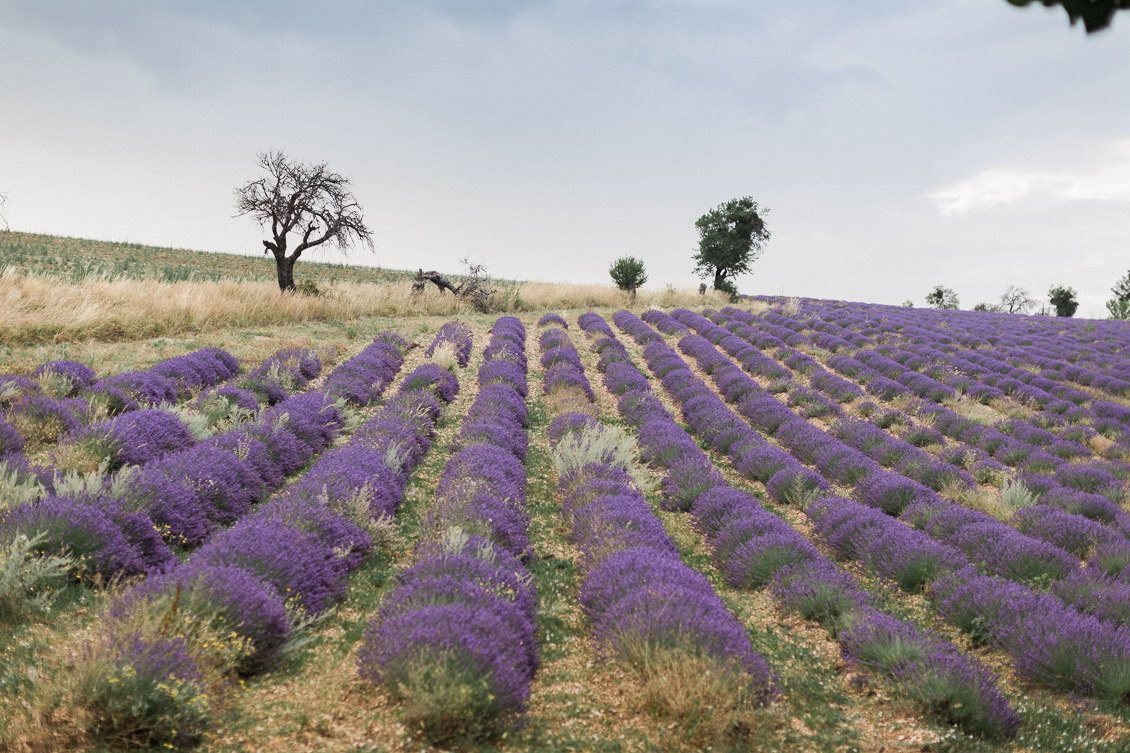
<point>40,309</point>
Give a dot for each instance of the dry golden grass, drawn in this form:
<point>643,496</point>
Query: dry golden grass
<point>40,309</point>
<point>967,407</point>
<point>550,296</point>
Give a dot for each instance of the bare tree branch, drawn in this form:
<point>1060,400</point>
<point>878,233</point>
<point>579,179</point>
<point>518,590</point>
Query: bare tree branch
<point>308,199</point>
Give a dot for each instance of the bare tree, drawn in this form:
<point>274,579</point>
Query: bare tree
<point>478,287</point>
<point>1016,300</point>
<point>305,199</point>
<point>3,216</point>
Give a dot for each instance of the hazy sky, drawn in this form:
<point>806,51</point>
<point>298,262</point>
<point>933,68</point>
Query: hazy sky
<point>897,144</point>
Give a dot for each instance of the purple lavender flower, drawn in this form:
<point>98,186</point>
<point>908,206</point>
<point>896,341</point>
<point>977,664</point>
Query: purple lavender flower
<point>351,472</point>
<point>553,319</point>
<point>433,377</point>
<point>567,423</point>
<point>233,395</point>
<point>949,684</point>
<point>336,532</point>
<point>457,334</point>
<point>794,485</point>
<point>87,532</point>
<point>686,479</point>
<point>1094,593</point>
<point>16,386</point>
<point>467,649</point>
<point>139,436</point>
<point>146,387</point>
<point>79,375</point>
<point>312,417</point>
<point>611,523</point>
<point>592,323</point>
<point>10,440</point>
<point>1074,533</point>
<point>239,600</point>
<point>1004,551</point>
<point>43,420</point>
<point>818,590</point>
<point>890,492</point>
<point>296,562</point>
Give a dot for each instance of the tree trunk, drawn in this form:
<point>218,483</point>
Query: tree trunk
<point>285,268</point>
<point>719,279</point>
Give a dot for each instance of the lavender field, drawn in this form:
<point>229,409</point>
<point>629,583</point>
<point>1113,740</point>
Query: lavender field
<point>782,525</point>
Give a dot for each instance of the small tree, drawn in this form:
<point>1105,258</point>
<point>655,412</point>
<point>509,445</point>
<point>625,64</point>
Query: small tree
<point>628,274</point>
<point>305,199</point>
<point>986,307</point>
<point>730,239</point>
<point>1121,288</point>
<point>1015,300</point>
<point>1118,308</point>
<point>1063,299</point>
<point>3,216</point>
<point>942,298</point>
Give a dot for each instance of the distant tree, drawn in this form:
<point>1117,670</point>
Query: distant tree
<point>3,215</point>
<point>1063,299</point>
<point>908,304</point>
<point>1015,300</point>
<point>1096,14</point>
<point>730,239</point>
<point>1121,288</point>
<point>987,307</point>
<point>305,199</point>
<point>628,274</point>
<point>1118,308</point>
<point>942,298</point>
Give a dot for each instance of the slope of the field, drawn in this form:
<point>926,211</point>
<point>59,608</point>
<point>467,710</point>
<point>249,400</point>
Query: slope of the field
<point>63,290</point>
<point>76,259</point>
<point>794,411</point>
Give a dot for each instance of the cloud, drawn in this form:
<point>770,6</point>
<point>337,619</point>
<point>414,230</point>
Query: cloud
<point>1108,181</point>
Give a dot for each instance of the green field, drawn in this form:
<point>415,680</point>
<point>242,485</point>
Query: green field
<point>75,259</point>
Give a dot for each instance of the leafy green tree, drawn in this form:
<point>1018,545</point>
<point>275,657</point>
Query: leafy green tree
<point>1063,299</point>
<point>730,239</point>
<point>942,298</point>
<point>1121,288</point>
<point>987,307</point>
<point>1118,308</point>
<point>1096,14</point>
<point>628,274</point>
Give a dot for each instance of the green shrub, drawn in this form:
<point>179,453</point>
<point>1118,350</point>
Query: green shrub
<point>29,581</point>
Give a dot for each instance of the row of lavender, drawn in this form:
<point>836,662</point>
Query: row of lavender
<point>1091,354</point>
<point>62,400</point>
<point>1069,522</point>
<point>1055,644</point>
<point>128,524</point>
<point>232,606</point>
<point>647,607</point>
<point>755,548</point>
<point>455,639</point>
<point>1067,417</point>
<point>1076,499</point>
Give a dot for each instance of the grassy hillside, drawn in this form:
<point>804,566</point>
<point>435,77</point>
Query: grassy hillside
<point>64,290</point>
<point>75,259</point>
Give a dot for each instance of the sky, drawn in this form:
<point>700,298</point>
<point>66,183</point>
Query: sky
<point>893,145</point>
